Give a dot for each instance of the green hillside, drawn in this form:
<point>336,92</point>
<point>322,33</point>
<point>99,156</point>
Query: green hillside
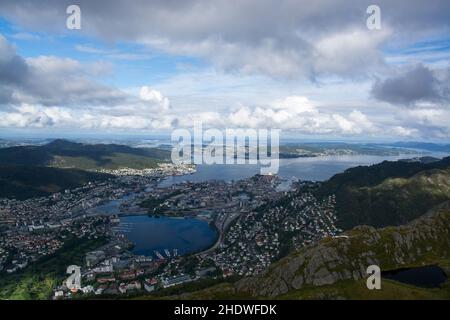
<point>357,290</point>
<point>389,193</point>
<point>34,171</point>
<point>23,182</point>
<point>66,154</point>
<point>38,280</point>
<point>113,161</point>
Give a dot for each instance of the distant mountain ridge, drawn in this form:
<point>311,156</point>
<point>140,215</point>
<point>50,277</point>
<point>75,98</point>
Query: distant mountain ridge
<point>35,171</point>
<point>24,182</point>
<point>438,147</point>
<point>67,154</point>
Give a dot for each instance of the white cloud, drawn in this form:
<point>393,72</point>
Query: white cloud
<point>25,36</point>
<point>353,52</point>
<point>154,96</point>
<point>259,51</point>
<point>295,105</point>
<point>436,117</point>
<point>297,113</point>
<point>53,81</point>
<point>112,53</point>
<point>405,132</point>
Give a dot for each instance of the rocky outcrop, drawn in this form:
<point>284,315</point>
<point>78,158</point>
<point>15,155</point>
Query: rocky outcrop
<point>423,241</point>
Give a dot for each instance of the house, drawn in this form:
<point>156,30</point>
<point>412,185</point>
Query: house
<point>58,294</point>
<point>106,279</point>
<point>149,287</point>
<point>176,280</point>
<point>205,271</point>
<point>123,288</point>
<point>94,257</point>
<point>87,289</point>
<point>134,285</point>
<point>127,275</point>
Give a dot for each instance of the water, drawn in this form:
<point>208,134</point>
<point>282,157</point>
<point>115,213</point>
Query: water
<point>111,207</point>
<point>316,168</point>
<point>426,277</point>
<point>188,235</point>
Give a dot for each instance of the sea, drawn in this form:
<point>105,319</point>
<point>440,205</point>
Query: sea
<point>192,235</point>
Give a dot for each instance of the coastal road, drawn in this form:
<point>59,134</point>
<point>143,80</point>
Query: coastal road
<point>222,229</point>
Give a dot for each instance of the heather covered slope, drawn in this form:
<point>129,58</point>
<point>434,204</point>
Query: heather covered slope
<point>424,241</point>
<point>336,267</point>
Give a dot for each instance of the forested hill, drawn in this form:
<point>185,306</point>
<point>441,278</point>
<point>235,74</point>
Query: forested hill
<point>34,171</point>
<point>23,182</point>
<point>66,154</point>
<point>389,193</point>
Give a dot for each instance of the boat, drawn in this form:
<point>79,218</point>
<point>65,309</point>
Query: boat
<point>159,255</point>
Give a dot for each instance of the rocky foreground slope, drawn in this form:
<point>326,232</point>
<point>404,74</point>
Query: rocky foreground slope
<point>424,241</point>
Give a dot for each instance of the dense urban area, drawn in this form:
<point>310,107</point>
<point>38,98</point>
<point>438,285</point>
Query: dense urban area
<point>254,227</point>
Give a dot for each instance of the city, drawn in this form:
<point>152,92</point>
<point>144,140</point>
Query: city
<point>248,239</point>
<point>196,156</point>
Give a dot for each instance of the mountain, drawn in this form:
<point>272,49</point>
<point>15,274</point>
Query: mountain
<point>335,267</point>
<point>66,154</point>
<point>23,182</point>
<point>310,149</point>
<point>389,193</point>
<point>407,205</point>
<point>424,146</point>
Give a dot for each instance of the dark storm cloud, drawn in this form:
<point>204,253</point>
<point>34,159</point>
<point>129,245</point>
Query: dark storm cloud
<point>249,20</point>
<point>13,70</point>
<point>419,84</point>
<point>278,38</point>
<point>49,81</point>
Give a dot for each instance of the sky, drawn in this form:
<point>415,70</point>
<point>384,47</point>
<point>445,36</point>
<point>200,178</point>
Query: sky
<point>310,68</point>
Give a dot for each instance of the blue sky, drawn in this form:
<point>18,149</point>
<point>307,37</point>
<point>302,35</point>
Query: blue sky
<point>137,65</point>
<point>315,71</point>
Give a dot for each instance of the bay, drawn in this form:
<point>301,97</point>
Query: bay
<point>186,235</point>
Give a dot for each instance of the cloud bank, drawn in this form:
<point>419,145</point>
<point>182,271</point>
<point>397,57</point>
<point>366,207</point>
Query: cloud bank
<point>287,38</point>
<point>419,84</point>
<point>264,55</point>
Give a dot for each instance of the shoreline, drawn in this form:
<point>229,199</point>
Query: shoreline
<point>211,225</point>
<point>219,234</point>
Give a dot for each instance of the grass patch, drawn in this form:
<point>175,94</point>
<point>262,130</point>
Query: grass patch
<point>37,281</point>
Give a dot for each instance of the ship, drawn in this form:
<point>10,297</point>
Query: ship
<point>167,252</point>
<point>159,255</point>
